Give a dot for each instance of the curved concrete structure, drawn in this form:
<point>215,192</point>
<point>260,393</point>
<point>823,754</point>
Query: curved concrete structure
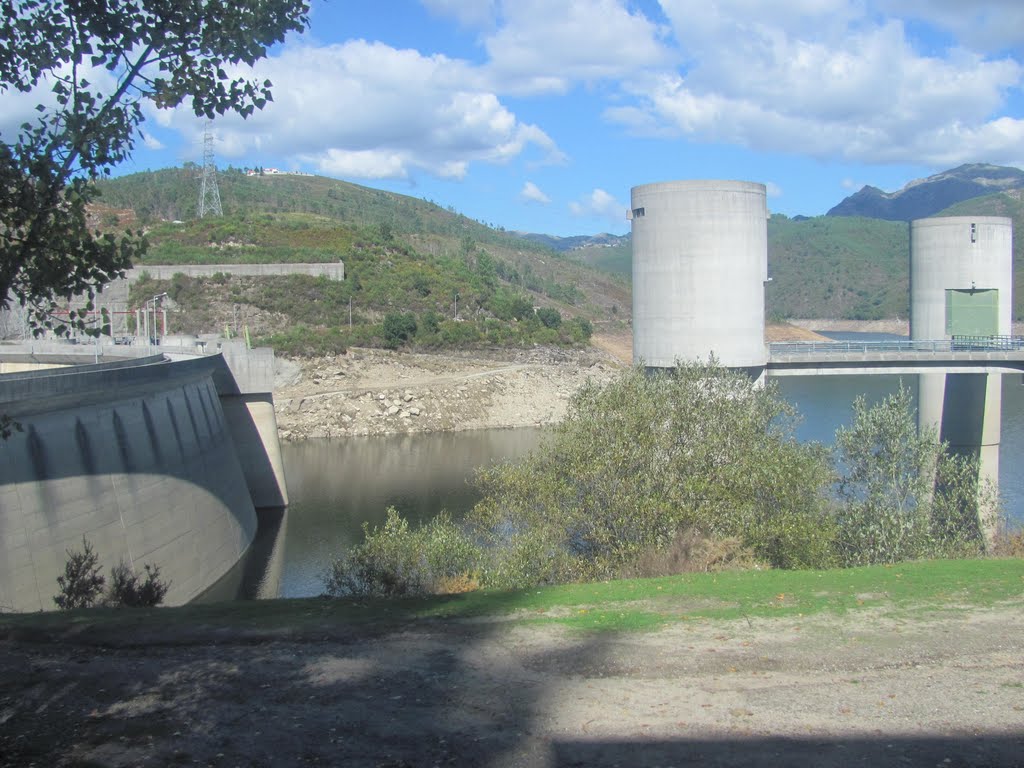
<point>139,457</point>
<point>961,285</point>
<point>700,260</point>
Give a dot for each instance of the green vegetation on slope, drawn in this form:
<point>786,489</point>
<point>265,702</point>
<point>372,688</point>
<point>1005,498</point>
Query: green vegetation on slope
<point>397,296</point>
<point>823,267</point>
<point>404,258</point>
<point>837,266</point>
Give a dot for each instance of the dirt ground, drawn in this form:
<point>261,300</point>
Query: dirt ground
<point>930,689</point>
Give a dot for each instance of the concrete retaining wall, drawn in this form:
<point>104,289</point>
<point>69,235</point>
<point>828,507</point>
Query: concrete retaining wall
<point>138,459</point>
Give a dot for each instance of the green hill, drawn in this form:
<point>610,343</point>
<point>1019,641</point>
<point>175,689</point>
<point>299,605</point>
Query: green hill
<point>837,267</point>
<point>406,253</point>
<point>403,256</point>
<point>822,267</point>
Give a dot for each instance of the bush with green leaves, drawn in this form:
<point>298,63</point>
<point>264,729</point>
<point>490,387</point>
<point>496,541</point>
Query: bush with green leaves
<point>658,472</point>
<point>549,316</point>
<point>397,559</point>
<point>639,459</point>
<point>398,329</point>
<point>128,590</point>
<point>81,584</point>
<point>904,495</point>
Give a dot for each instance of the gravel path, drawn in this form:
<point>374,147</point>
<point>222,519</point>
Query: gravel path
<point>866,688</point>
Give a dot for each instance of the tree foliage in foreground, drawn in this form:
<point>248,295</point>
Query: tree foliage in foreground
<point>640,459</point>
<point>690,463</point>
<point>903,495</point>
<point>95,65</point>
<point>83,586</point>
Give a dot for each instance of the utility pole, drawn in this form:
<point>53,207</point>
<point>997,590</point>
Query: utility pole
<point>209,194</point>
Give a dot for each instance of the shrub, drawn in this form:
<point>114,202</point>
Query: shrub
<point>397,560</point>
<point>691,551</point>
<point>549,316</point>
<point>127,590</point>
<point>904,495</point>
<point>398,328</point>
<point>1009,544</point>
<point>580,330</point>
<point>81,584</point>
<point>639,459</point>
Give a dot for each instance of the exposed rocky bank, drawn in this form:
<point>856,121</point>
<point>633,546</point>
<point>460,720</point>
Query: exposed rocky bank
<point>378,392</point>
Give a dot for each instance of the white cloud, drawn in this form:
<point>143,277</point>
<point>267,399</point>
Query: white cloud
<point>772,189</point>
<point>979,24</point>
<point>532,193</point>
<point>828,79</point>
<point>150,141</point>
<point>367,110</point>
<point>599,204</point>
<point>547,47</point>
<point>850,184</point>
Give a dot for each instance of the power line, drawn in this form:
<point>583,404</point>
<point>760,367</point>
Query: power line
<point>209,194</point>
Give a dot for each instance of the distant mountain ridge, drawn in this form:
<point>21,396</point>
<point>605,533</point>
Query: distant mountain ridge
<point>575,242</point>
<point>927,197</point>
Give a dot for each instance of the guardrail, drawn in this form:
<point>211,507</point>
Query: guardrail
<point>955,344</point>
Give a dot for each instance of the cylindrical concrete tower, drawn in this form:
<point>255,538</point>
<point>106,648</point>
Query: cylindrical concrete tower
<point>961,277</point>
<point>961,286</point>
<point>700,260</point>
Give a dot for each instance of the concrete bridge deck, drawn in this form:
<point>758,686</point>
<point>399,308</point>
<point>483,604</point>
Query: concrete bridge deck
<point>999,354</point>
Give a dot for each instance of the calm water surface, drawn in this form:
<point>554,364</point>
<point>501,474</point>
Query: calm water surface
<point>336,486</point>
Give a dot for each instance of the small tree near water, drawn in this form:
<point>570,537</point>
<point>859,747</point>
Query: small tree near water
<point>903,494</point>
<point>81,584</point>
<point>129,590</point>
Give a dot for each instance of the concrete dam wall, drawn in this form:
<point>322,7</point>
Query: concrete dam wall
<point>138,457</point>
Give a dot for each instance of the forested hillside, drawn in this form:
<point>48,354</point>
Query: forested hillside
<point>837,267</point>
<point>410,266</point>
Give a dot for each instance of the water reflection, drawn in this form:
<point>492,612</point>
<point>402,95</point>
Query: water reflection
<point>336,485</point>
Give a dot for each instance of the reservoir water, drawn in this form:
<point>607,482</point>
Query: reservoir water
<point>336,486</point>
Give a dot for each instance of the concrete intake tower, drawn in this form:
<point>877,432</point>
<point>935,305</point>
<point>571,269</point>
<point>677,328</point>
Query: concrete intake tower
<point>700,261</point>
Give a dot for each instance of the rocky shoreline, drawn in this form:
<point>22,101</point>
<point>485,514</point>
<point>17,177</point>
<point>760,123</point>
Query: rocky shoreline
<point>378,392</point>
<point>382,392</point>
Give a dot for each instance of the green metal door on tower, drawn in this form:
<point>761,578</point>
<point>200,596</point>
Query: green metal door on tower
<point>972,312</point>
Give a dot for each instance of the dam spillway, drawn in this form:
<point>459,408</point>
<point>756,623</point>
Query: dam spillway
<point>149,459</point>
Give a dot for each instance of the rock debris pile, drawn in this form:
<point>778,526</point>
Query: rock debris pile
<point>377,392</point>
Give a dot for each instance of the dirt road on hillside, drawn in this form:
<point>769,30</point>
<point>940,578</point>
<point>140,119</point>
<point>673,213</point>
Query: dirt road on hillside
<point>868,688</point>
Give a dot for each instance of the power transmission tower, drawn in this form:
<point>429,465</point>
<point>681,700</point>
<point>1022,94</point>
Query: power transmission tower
<point>209,194</point>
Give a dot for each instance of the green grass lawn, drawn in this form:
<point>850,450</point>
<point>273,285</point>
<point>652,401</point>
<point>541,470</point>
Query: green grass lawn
<point>628,605</point>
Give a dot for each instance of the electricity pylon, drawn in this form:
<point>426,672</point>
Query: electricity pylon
<point>209,194</point>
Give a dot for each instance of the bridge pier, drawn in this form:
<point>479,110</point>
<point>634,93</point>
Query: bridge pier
<point>964,410</point>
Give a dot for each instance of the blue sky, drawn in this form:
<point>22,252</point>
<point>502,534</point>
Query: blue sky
<point>539,115</point>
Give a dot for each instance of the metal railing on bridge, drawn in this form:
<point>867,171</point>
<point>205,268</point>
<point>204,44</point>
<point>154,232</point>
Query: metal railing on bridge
<point>884,346</point>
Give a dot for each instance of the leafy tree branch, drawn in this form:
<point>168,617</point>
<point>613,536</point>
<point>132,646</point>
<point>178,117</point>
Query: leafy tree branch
<point>102,61</point>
